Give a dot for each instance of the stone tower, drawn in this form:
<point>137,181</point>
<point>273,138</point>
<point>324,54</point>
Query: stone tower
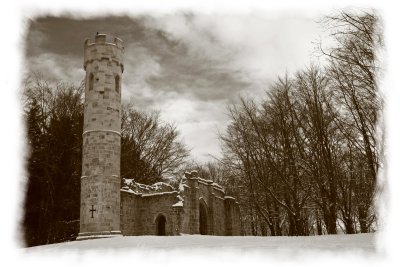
<point>100,181</point>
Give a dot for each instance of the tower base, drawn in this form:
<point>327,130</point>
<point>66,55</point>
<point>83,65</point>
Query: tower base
<point>95,235</point>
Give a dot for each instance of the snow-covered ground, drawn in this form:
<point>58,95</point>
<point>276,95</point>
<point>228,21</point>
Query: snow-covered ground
<point>357,243</point>
<point>205,251</point>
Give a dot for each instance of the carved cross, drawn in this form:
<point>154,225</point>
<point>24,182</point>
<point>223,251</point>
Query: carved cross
<point>92,210</point>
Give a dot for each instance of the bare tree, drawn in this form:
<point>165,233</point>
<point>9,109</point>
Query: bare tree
<point>150,149</point>
<point>268,148</point>
<point>354,70</point>
<point>321,146</point>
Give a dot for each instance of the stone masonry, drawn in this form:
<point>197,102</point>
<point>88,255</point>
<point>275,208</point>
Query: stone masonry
<point>142,205</point>
<point>100,182</point>
<point>198,206</point>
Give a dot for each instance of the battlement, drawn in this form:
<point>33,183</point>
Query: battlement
<point>104,47</point>
<point>105,39</point>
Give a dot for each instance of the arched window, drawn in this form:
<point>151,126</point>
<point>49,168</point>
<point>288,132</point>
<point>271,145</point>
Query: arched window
<point>91,78</point>
<point>160,224</point>
<point>117,83</point>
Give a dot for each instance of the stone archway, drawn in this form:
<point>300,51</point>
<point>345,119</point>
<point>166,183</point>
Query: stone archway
<point>203,220</point>
<point>160,224</point>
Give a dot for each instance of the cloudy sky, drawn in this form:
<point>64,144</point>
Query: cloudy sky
<point>190,66</point>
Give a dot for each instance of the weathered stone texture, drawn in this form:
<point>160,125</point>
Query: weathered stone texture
<point>139,213</point>
<point>100,182</point>
<point>106,209</point>
<point>140,210</point>
<point>103,193</point>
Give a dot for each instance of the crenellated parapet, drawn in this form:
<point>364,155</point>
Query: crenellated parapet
<point>103,49</point>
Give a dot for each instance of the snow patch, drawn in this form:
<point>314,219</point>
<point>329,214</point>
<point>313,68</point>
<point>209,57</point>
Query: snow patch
<point>180,201</point>
<point>130,184</point>
<point>178,204</point>
<point>159,194</point>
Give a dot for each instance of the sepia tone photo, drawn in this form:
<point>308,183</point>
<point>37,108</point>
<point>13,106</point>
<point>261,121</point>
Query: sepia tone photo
<point>203,130</point>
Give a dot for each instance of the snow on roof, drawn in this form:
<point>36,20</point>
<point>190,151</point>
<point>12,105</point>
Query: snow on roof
<point>159,194</point>
<point>180,202</point>
<point>162,184</point>
<point>162,188</point>
<point>182,186</point>
<point>204,180</point>
<point>219,189</point>
<point>130,191</point>
<point>158,187</point>
<point>147,195</point>
<point>213,184</point>
<point>216,185</point>
<point>128,181</point>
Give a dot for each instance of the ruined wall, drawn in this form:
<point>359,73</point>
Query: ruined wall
<point>190,212</point>
<point>131,223</point>
<point>140,211</point>
<point>223,216</point>
<point>181,208</point>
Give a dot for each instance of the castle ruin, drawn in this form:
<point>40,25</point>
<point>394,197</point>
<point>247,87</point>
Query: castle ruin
<point>198,206</point>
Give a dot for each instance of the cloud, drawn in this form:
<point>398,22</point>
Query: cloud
<point>187,65</point>
<point>199,122</point>
<point>196,62</point>
<point>140,64</point>
<point>256,47</point>
<point>56,68</point>
<point>66,35</point>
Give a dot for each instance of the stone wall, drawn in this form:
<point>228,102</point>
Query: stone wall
<point>181,208</point>
<point>236,225</point>
<point>223,216</point>
<point>140,211</point>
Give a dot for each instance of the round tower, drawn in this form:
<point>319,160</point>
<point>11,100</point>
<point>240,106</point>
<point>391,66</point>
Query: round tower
<point>100,181</point>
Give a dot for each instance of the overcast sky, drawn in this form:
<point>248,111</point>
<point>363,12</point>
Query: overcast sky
<point>190,66</point>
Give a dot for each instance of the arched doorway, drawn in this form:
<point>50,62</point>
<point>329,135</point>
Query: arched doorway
<point>203,218</point>
<point>160,223</point>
